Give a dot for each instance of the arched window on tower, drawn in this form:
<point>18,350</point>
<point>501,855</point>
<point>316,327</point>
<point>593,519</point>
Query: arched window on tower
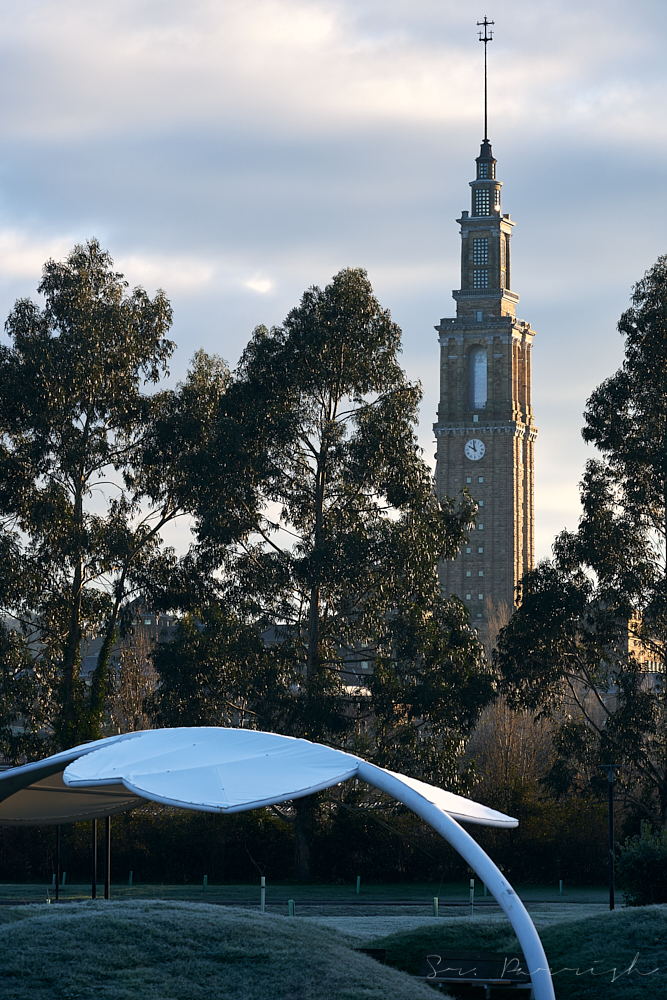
<point>478,378</point>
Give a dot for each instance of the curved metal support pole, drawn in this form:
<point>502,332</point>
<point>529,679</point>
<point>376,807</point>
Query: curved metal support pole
<point>481,863</point>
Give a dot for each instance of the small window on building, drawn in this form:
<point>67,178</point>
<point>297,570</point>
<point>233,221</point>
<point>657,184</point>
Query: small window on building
<point>479,315</point>
<point>480,572</point>
<point>468,597</point>
<point>480,479</point>
<point>480,279</point>
<point>147,621</point>
<point>482,201</point>
<point>482,170</point>
<point>468,572</point>
<point>468,479</point>
<point>480,549</point>
<point>480,250</point>
<point>480,597</point>
<point>479,614</point>
<point>496,198</point>
<point>480,527</point>
<point>468,549</point>
<point>481,503</point>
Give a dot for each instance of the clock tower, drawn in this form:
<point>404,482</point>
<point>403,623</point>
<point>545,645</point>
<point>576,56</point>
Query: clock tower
<point>485,432</point>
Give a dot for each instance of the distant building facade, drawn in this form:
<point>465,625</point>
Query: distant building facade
<point>485,430</point>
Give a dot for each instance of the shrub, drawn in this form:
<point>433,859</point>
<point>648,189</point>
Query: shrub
<point>642,868</point>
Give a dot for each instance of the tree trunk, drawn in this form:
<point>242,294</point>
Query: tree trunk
<point>306,810</point>
<point>100,681</point>
<point>313,655</point>
<point>68,730</point>
<point>70,717</point>
<point>71,666</point>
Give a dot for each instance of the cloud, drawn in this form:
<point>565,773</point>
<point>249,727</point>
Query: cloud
<point>304,65</point>
<point>237,152</point>
<point>22,255</point>
<point>259,285</point>
<point>173,272</point>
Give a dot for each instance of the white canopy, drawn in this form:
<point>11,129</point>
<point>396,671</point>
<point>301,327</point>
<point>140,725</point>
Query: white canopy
<point>207,769</point>
<point>35,794</point>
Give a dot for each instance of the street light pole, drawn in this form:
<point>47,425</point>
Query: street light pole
<point>610,778</point>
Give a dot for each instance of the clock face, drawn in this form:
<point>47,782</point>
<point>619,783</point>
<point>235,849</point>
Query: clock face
<point>474,449</point>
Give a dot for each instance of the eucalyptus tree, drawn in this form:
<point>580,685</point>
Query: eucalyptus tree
<point>348,526</point>
<point>81,513</point>
<point>341,538</point>
<point>589,640</point>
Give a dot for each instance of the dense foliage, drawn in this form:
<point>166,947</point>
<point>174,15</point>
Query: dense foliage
<point>71,412</point>
<point>176,847</point>
<point>338,562</point>
<point>309,601</point>
<point>87,482</point>
<point>587,644</point>
<point>328,620</point>
<point>641,867</point>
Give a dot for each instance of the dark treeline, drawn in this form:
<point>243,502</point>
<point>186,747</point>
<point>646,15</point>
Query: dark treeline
<point>308,602</point>
<point>172,846</point>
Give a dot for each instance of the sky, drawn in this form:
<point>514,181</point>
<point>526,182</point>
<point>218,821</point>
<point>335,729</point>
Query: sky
<point>236,152</point>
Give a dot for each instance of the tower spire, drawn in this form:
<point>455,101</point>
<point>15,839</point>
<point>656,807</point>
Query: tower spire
<point>486,38</point>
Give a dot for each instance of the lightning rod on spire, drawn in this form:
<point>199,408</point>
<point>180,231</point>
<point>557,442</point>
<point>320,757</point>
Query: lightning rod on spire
<point>486,38</point>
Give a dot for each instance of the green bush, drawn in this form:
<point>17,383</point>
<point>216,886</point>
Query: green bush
<point>642,868</point>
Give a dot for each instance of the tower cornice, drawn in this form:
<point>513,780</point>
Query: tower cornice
<point>485,293</point>
<point>468,221</point>
<point>503,328</point>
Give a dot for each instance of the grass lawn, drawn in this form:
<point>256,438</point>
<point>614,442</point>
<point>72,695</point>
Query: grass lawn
<point>183,951</point>
<point>601,943</point>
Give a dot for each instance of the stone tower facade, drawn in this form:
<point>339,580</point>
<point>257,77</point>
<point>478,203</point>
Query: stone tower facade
<point>485,432</point>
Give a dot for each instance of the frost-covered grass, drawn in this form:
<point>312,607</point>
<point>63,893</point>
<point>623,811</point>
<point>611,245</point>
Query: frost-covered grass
<point>183,951</point>
<point>385,922</point>
<point>153,950</point>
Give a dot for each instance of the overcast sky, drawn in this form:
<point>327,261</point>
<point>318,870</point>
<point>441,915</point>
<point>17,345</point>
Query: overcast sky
<point>235,152</point>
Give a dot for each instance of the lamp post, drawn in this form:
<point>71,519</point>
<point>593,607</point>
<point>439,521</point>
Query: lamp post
<point>610,777</point>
